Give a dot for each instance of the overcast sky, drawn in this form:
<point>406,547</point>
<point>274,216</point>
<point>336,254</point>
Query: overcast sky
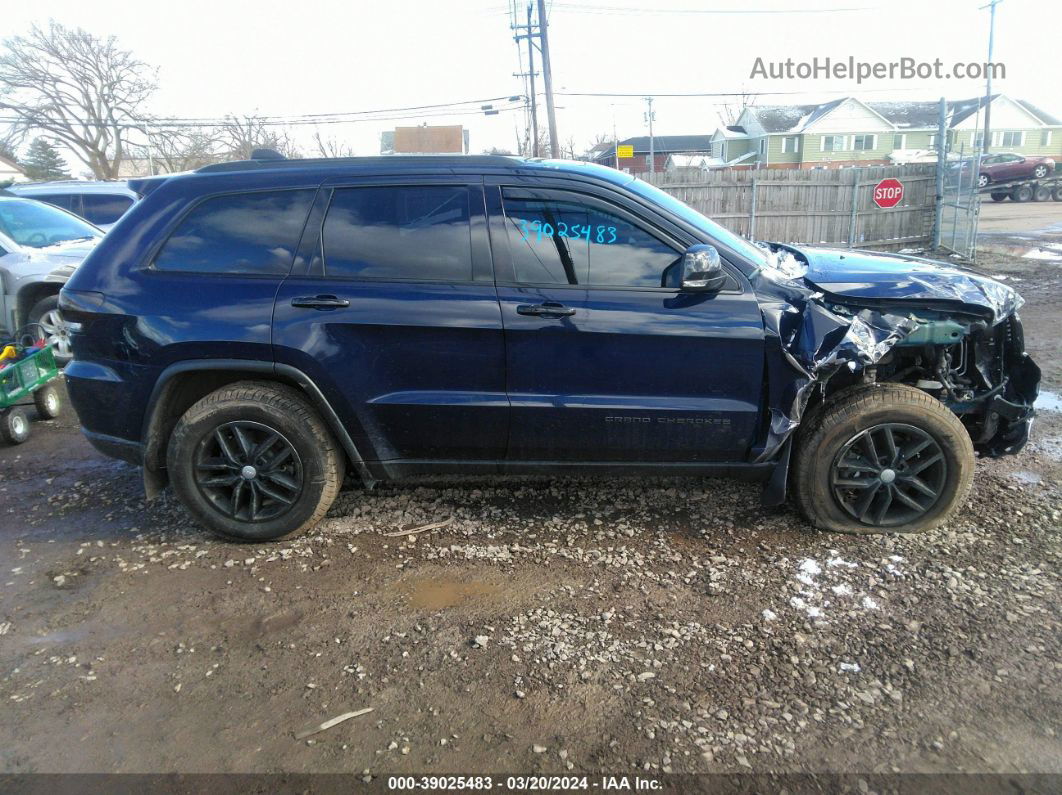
<point>312,56</point>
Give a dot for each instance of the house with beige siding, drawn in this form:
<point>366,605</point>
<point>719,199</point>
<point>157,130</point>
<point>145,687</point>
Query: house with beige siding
<point>848,132</point>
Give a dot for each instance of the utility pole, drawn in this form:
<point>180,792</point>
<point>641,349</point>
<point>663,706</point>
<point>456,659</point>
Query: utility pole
<point>651,117</point>
<point>530,75</point>
<point>987,139</point>
<point>547,78</point>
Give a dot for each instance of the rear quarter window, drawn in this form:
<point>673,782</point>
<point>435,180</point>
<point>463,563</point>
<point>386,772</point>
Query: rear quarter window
<point>242,233</point>
<point>105,208</point>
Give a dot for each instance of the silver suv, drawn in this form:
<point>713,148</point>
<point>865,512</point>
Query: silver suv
<point>40,247</point>
<point>99,203</point>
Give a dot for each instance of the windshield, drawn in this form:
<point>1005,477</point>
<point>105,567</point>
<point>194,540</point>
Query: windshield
<point>36,225</point>
<point>754,254</point>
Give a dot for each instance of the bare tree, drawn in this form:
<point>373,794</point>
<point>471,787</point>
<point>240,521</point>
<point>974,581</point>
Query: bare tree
<point>330,147</point>
<point>11,139</point>
<point>731,112</point>
<point>241,135</point>
<point>85,91</point>
<point>179,148</point>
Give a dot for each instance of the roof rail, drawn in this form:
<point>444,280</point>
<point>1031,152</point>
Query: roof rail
<point>326,162</point>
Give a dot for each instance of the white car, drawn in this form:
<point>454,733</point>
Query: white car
<point>40,246</point>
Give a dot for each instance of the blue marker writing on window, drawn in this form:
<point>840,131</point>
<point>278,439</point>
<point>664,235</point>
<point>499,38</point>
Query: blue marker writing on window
<point>588,232</point>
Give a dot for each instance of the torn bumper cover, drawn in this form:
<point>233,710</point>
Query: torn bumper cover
<point>847,317</point>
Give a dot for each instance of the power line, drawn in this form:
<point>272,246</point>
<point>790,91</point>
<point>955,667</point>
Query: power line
<point>299,123</point>
<point>281,118</point>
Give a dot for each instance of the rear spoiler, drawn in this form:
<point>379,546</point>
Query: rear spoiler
<point>144,185</point>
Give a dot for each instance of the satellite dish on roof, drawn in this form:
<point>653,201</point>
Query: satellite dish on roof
<point>266,154</point>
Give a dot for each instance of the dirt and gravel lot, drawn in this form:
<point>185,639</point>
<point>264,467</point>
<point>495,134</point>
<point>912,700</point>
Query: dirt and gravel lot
<point>553,625</point>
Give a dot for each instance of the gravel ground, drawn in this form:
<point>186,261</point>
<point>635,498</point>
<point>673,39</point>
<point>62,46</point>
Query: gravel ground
<point>551,625</point>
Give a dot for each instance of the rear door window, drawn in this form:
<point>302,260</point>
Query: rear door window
<point>243,233</point>
<point>68,201</point>
<point>105,208</point>
<point>416,232</point>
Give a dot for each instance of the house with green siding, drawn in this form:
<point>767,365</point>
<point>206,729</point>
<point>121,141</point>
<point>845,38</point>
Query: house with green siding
<point>849,132</point>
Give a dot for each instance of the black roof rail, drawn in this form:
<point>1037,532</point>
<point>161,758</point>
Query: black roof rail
<point>336,162</point>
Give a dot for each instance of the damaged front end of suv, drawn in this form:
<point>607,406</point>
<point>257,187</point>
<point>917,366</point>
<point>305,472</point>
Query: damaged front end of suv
<point>841,318</point>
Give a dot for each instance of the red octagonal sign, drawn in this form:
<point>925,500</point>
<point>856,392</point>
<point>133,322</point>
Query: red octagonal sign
<point>888,193</point>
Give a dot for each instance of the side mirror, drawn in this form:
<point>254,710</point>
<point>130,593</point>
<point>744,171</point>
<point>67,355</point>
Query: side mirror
<point>701,269</point>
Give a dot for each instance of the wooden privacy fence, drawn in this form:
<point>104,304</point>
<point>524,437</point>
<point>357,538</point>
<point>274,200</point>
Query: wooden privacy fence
<point>831,206</point>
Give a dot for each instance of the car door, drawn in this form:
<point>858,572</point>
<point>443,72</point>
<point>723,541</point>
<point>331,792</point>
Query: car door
<point>391,309</point>
<point>607,359</point>
<point>1011,167</point>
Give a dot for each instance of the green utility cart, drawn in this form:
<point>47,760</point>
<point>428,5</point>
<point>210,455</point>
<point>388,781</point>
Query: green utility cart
<point>32,377</point>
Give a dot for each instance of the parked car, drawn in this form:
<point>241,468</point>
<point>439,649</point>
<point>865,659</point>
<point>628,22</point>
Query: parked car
<point>100,203</point>
<point>40,246</point>
<point>1008,166</point>
<point>254,330</point>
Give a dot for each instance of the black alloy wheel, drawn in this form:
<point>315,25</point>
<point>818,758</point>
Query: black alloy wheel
<point>248,471</point>
<point>889,475</point>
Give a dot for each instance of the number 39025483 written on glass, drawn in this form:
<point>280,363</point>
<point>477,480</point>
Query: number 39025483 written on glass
<point>540,230</point>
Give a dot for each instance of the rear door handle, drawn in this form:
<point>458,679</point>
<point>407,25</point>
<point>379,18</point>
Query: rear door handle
<point>320,302</point>
<point>547,309</point>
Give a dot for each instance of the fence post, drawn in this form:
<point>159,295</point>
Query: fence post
<point>855,204</point>
<point>942,161</point>
<point>752,212</point>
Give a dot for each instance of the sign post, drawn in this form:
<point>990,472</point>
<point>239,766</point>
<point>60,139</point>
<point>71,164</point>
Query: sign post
<point>888,193</point>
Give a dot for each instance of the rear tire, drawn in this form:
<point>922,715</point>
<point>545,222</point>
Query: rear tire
<point>253,461</point>
<point>837,484</point>
<point>1022,194</point>
<point>14,425</point>
<point>49,404</point>
<point>998,196</point>
<point>1042,194</point>
<point>982,180</point>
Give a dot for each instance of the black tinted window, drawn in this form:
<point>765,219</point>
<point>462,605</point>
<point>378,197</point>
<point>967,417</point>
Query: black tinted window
<point>252,233</point>
<point>103,208</point>
<point>68,201</point>
<point>415,232</point>
<point>567,242</point>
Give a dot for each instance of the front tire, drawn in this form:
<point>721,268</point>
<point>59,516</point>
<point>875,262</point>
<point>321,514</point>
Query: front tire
<point>253,461</point>
<point>1040,171</point>
<point>882,458</point>
<point>45,313</point>
<point>998,196</point>
<point>1022,194</point>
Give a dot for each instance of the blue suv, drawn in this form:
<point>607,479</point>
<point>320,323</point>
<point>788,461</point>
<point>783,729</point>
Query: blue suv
<point>251,332</point>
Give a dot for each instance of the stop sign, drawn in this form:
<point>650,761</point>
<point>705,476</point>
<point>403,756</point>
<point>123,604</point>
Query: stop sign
<point>888,193</point>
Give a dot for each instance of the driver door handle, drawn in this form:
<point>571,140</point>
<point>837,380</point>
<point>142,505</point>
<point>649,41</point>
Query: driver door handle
<point>548,309</point>
<point>320,302</point>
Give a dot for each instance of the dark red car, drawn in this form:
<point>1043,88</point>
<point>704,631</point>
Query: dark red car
<point>1007,166</point>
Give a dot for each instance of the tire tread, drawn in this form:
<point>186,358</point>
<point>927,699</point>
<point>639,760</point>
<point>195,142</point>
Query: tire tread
<point>851,404</point>
<point>290,402</point>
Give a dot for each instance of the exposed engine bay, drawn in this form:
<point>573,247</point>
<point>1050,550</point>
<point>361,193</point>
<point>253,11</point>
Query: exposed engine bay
<point>850,317</point>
